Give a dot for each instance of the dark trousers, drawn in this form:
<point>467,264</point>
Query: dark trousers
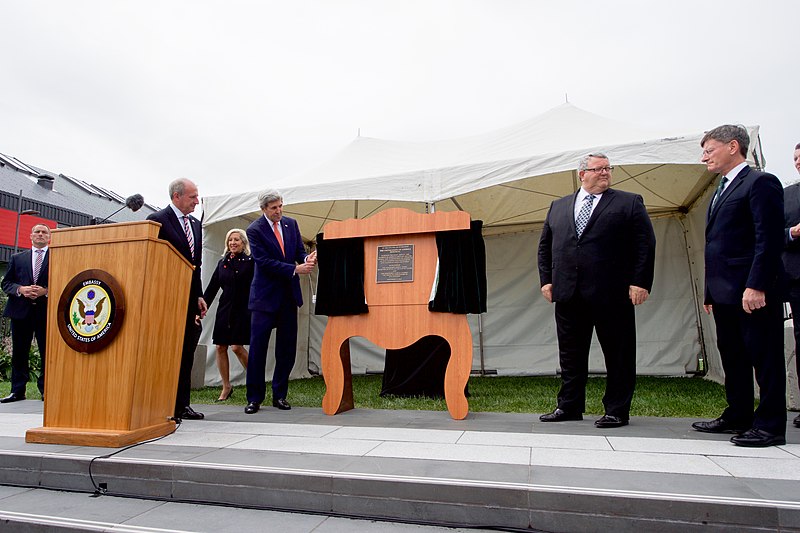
<point>748,341</point>
<point>191,336</point>
<point>794,301</point>
<point>261,326</point>
<point>615,324</point>
<point>22,333</point>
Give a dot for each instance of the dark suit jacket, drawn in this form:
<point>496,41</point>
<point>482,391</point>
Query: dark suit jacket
<point>745,238</point>
<point>791,212</point>
<point>615,251</point>
<point>274,274</point>
<point>172,232</point>
<point>20,272</point>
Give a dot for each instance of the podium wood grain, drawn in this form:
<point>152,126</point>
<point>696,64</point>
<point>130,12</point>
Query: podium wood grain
<point>124,393</point>
<point>398,312</point>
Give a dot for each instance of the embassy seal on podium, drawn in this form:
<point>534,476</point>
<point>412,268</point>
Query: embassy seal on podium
<point>90,311</point>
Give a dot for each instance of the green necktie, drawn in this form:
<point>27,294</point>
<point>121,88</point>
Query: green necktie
<point>720,188</point>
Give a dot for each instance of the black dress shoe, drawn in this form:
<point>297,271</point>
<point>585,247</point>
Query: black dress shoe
<point>758,438</point>
<point>796,421</point>
<point>610,421</point>
<point>12,398</point>
<point>559,415</point>
<point>252,407</point>
<point>281,404</point>
<point>190,414</point>
<point>718,426</point>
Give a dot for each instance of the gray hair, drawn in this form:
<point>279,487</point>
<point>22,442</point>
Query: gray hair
<point>178,187</point>
<point>267,197</point>
<point>584,162</point>
<point>242,235</point>
<point>727,133</point>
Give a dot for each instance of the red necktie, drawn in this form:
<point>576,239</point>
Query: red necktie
<point>278,236</point>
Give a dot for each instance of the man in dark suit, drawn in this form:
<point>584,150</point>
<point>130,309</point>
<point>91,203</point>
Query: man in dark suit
<point>183,231</point>
<point>744,277</point>
<point>791,256</point>
<point>280,258</point>
<point>25,283</point>
<point>596,261</point>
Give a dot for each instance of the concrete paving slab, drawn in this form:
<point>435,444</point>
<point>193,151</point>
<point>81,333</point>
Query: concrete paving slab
<point>306,445</point>
<point>453,452</point>
<point>633,461</point>
<point>397,434</point>
<point>535,440</point>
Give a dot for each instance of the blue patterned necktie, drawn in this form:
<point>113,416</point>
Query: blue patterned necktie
<point>584,214</point>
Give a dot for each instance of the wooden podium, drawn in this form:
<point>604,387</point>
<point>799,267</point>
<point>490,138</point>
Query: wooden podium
<point>398,311</point>
<point>125,391</point>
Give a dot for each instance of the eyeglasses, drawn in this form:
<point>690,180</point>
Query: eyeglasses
<point>600,170</point>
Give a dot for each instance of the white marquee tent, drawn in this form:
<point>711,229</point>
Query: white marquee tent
<point>507,178</point>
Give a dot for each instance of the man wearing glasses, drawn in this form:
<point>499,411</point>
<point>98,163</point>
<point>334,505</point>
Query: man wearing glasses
<point>744,278</point>
<point>596,262</point>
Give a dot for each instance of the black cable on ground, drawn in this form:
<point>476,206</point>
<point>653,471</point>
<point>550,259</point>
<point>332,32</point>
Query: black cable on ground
<point>101,489</point>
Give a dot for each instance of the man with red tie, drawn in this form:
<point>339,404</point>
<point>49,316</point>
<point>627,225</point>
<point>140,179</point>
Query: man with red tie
<point>280,258</point>
<point>25,284</point>
<point>183,232</point>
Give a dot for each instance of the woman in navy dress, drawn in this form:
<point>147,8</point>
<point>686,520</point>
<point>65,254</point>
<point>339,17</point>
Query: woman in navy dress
<point>234,274</point>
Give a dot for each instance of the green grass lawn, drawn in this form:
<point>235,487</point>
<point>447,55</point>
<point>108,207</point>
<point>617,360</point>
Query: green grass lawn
<point>675,397</point>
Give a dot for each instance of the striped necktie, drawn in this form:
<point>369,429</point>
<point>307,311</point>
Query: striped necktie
<point>187,228</point>
<point>37,265</point>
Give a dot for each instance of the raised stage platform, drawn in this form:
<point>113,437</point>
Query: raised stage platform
<point>489,470</point>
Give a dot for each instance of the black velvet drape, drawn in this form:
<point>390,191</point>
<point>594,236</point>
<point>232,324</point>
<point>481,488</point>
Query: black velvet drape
<point>462,271</point>
<point>340,278</point>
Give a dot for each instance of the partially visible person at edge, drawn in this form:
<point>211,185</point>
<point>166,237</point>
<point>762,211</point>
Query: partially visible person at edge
<point>275,296</point>
<point>25,283</point>
<point>744,290</point>
<point>183,232</point>
<point>234,274</point>
<point>791,256</point>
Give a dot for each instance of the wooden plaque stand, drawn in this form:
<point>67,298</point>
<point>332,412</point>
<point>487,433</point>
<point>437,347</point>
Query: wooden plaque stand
<point>398,312</point>
<point>123,393</point>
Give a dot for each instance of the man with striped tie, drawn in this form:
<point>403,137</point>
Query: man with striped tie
<point>25,283</point>
<point>183,231</point>
<point>596,261</point>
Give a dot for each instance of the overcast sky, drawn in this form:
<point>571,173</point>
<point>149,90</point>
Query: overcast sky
<point>242,95</point>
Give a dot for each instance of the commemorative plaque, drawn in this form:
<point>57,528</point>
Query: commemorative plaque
<point>395,263</point>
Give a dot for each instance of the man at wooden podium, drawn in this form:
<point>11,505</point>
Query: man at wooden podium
<point>25,283</point>
<point>183,232</point>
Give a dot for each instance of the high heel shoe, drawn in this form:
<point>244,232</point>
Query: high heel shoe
<point>226,398</point>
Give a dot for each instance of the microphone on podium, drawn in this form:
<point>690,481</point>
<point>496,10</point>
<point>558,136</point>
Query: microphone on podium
<point>133,202</point>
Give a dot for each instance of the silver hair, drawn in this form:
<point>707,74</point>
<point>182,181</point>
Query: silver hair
<point>178,187</point>
<point>727,133</point>
<point>242,235</point>
<point>584,162</point>
<point>267,197</point>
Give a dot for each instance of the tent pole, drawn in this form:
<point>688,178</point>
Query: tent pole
<point>702,359</point>
<point>480,342</point>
